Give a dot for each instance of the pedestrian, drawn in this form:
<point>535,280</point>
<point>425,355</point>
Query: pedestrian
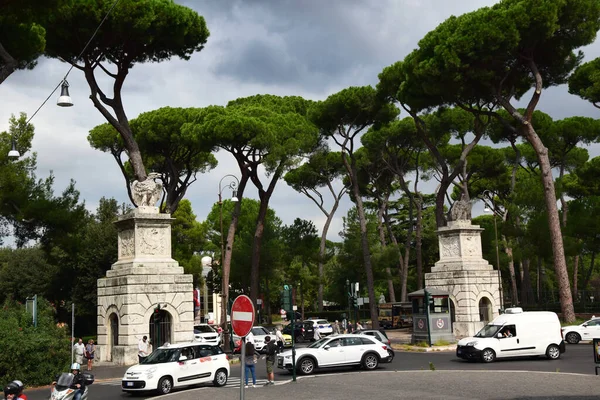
<point>143,349</point>
<point>317,334</point>
<point>358,326</point>
<point>279,337</point>
<point>336,327</point>
<point>250,362</point>
<point>79,348</point>
<point>90,352</point>
<point>271,350</point>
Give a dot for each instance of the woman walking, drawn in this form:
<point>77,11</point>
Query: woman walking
<point>90,351</point>
<point>250,363</point>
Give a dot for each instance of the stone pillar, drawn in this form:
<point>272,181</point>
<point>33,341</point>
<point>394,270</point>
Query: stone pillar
<point>470,280</point>
<point>143,277</point>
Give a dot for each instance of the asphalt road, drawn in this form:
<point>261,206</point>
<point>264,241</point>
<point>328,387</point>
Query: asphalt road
<point>410,373</point>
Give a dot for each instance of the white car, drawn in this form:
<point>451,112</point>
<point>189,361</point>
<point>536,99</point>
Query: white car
<point>337,351</point>
<point>177,365</point>
<point>322,325</point>
<point>587,331</point>
<point>260,333</point>
<point>205,333</point>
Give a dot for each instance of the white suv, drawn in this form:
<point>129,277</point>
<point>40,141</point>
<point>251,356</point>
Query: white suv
<point>205,333</point>
<point>177,365</point>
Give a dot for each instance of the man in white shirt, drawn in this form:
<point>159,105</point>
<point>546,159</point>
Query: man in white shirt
<point>79,349</point>
<point>279,337</point>
<point>143,349</point>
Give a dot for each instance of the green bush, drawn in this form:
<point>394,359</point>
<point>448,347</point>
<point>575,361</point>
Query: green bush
<point>33,355</point>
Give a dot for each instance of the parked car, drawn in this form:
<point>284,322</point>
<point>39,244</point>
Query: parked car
<point>322,325</point>
<point>513,334</point>
<point>589,330</point>
<point>260,333</point>
<point>205,333</point>
<point>303,331</point>
<point>337,351</point>
<point>177,365</point>
<point>381,336</point>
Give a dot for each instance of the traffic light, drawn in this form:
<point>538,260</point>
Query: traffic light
<point>157,312</point>
<point>354,301</point>
<point>286,298</point>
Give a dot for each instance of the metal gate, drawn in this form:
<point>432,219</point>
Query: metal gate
<point>160,328</point>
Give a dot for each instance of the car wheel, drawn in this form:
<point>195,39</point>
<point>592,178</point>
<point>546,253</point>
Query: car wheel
<point>391,353</point>
<point>572,338</point>
<point>307,366</point>
<point>165,385</point>
<point>488,355</point>
<point>370,361</point>
<point>553,352</point>
<point>220,378</point>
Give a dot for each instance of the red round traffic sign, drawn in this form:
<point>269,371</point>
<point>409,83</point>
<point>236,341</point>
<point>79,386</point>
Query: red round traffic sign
<point>242,315</point>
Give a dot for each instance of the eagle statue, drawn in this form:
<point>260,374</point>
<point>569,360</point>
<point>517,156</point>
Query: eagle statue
<point>147,192</point>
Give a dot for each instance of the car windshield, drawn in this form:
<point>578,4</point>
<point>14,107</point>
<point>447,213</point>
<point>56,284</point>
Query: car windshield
<point>488,331</point>
<point>203,329</point>
<point>260,331</point>
<point>322,322</point>
<point>318,343</point>
<point>160,356</point>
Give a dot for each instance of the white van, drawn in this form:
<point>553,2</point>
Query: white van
<point>513,334</point>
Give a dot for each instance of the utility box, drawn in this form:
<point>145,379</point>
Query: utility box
<point>432,319</point>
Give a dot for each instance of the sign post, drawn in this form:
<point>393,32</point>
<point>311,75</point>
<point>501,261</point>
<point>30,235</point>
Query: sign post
<point>242,321</point>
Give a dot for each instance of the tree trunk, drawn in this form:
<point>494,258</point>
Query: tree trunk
<point>404,282</point>
<point>226,268</point>
<point>302,303</point>
<point>322,248</point>
<point>256,246</point>
<point>265,196</point>
<point>575,273</point>
<point>418,249</point>
<point>364,240</point>
<point>587,276</point>
<point>388,270</point>
<point>558,252</point>
<point>526,288</point>
<point>8,64</point>
<point>513,278</point>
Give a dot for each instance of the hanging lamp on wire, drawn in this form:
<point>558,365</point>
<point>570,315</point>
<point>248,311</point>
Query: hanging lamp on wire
<point>14,153</point>
<point>65,99</point>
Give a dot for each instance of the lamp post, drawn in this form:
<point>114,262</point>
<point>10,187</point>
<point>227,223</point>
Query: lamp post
<point>349,303</point>
<point>490,196</point>
<point>233,184</point>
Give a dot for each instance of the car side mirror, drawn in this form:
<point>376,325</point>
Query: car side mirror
<point>182,358</point>
<point>585,325</point>
<point>499,335</point>
<point>327,347</point>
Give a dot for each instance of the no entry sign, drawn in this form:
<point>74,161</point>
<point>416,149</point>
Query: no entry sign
<point>242,315</point>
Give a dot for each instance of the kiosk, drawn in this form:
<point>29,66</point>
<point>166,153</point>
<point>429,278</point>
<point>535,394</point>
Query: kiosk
<point>432,316</point>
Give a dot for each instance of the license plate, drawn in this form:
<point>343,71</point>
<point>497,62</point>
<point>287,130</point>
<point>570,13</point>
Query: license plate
<point>129,383</point>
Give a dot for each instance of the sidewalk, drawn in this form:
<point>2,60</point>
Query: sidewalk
<point>106,370</point>
<point>401,340</point>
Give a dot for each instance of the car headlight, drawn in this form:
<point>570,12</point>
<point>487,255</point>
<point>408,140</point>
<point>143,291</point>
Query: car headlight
<point>473,343</point>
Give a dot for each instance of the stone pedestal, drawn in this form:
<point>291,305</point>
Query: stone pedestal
<point>144,277</point>
<point>473,284</point>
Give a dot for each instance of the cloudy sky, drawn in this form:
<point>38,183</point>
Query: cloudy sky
<point>310,48</point>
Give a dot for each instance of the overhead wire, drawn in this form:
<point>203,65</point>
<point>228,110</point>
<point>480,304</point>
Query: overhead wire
<point>72,65</point>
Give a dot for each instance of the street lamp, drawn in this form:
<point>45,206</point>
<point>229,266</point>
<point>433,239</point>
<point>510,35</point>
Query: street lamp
<point>13,154</point>
<point>233,184</point>
<point>490,196</point>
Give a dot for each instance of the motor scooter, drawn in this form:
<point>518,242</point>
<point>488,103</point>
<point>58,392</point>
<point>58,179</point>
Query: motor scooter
<point>63,390</point>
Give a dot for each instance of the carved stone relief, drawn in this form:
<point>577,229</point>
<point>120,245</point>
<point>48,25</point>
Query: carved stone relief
<point>126,243</point>
<point>152,241</point>
<point>470,246</point>
<point>449,247</point>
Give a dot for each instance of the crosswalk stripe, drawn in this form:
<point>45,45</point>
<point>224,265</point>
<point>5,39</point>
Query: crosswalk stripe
<point>231,382</point>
